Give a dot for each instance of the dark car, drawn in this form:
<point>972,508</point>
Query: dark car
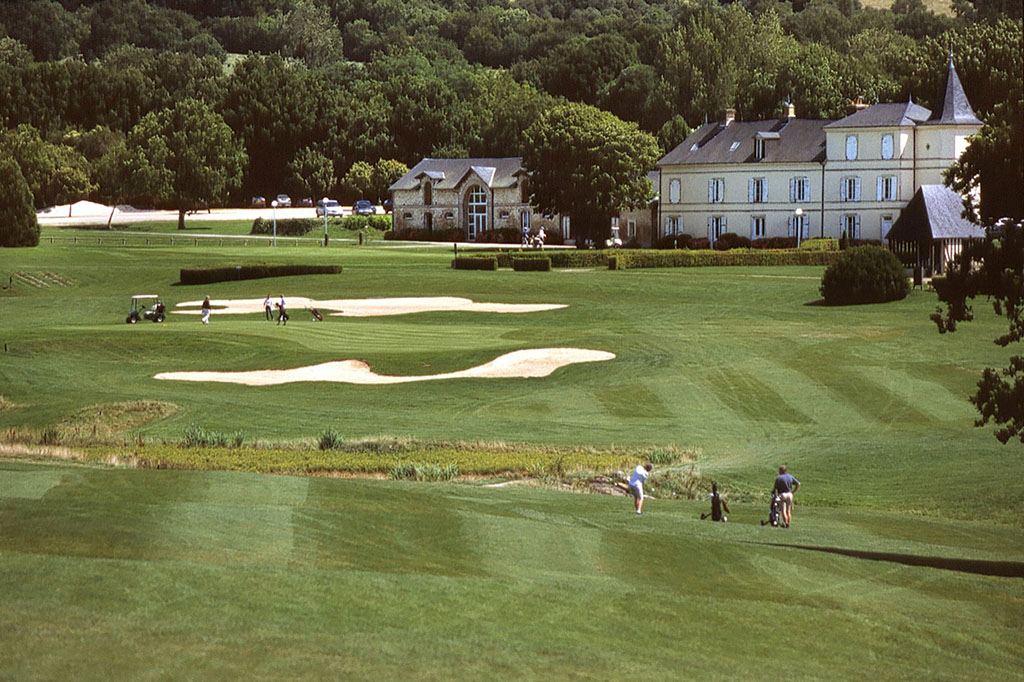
<point>305,202</point>
<point>363,207</point>
<point>389,205</point>
<point>258,202</point>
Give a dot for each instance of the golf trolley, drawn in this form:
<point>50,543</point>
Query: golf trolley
<point>139,311</point>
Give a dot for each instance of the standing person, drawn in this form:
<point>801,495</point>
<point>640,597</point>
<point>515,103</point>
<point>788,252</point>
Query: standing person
<point>541,236</point>
<point>282,314</point>
<point>206,310</point>
<point>785,485</point>
<point>268,309</point>
<point>526,236</point>
<point>717,505</point>
<point>636,485</point>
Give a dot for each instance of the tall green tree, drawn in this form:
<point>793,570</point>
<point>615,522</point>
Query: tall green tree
<point>55,173</point>
<point>184,155</point>
<point>312,173</point>
<point>385,173</point>
<point>994,269</point>
<point>588,164</point>
<point>18,223</point>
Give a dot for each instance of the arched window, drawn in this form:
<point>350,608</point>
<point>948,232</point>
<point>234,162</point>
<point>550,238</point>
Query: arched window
<point>428,193</point>
<point>476,212</point>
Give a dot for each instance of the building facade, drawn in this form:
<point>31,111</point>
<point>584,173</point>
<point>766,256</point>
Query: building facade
<point>806,178</point>
<point>475,195</point>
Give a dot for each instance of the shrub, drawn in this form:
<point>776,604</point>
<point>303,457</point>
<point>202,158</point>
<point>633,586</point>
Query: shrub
<point>258,271</point>
<point>409,471</point>
<point>731,240</point>
<point>531,264</point>
<point>475,263</point>
<point>864,274</point>
<point>774,243</point>
<point>696,258</point>
<point>18,223</point>
<point>329,440</point>
<point>198,437</point>
<point>297,227</point>
<point>820,244</point>
<point>674,241</point>
<point>502,235</point>
<point>451,235</point>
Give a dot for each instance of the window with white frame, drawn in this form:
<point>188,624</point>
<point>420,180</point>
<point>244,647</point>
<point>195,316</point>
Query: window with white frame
<point>802,223</point>
<point>615,221</point>
<point>758,148</point>
<point>757,190</point>
<point>717,226</point>
<point>504,215</point>
<point>849,188</point>
<point>851,147</point>
<point>566,227</point>
<point>674,188</point>
<point>631,229</point>
<point>887,146</point>
<point>849,223</point>
<point>716,190</point>
<point>757,227</point>
<point>524,220</point>
<point>888,187</point>
<point>800,189</point>
<point>673,225</point>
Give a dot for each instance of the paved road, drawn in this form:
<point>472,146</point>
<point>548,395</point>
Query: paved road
<point>92,214</point>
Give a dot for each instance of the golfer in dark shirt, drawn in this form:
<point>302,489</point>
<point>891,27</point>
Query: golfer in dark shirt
<point>785,485</point>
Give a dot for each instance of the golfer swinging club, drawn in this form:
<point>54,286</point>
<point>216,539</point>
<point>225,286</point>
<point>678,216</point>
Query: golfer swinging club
<point>636,485</point>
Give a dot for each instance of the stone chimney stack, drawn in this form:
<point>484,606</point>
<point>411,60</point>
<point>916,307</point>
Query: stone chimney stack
<point>855,105</point>
<point>730,116</point>
<point>788,111</point>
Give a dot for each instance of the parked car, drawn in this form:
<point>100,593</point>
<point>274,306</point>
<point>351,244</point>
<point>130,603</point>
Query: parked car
<point>389,205</point>
<point>329,207</point>
<point>258,202</point>
<point>283,201</point>
<point>305,202</point>
<point>363,207</point>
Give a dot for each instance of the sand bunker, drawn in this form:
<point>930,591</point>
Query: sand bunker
<point>534,362</point>
<point>367,307</point>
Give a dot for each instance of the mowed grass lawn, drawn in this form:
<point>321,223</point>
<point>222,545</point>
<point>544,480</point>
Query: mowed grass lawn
<point>142,574</point>
<point>119,573</point>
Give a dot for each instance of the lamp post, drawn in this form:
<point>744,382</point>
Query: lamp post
<point>323,203</point>
<point>798,223</point>
<point>274,205</point>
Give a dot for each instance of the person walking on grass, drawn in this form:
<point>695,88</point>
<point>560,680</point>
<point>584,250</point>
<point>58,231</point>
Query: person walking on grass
<point>718,504</point>
<point>268,309</point>
<point>206,310</point>
<point>785,485</point>
<point>636,485</point>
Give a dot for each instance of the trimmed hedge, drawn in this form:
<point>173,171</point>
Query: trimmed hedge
<point>574,258</point>
<point>297,227</point>
<point>531,264</point>
<point>820,244</point>
<point>475,263</point>
<point>624,260</point>
<point>864,274</point>
<point>238,272</point>
<point>411,235</point>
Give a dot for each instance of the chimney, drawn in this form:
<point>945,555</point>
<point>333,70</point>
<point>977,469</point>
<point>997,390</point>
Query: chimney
<point>788,111</point>
<point>730,116</point>
<point>855,105</point>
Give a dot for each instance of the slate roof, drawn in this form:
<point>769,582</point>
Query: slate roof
<point>795,140</point>
<point>887,115</point>
<point>934,213</point>
<point>448,173</point>
<point>951,105</point>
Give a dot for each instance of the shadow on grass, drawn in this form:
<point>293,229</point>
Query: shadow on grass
<point>1002,569</point>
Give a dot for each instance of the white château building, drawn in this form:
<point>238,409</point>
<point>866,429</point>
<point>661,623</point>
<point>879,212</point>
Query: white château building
<point>812,178</point>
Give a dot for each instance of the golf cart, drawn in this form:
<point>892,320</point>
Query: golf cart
<point>615,241</point>
<point>139,310</point>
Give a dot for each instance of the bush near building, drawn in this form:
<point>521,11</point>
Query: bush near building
<point>864,274</point>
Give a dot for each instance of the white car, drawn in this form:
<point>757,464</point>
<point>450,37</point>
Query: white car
<point>284,201</point>
<point>328,207</point>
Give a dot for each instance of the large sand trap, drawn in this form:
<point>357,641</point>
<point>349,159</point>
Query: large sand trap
<point>534,362</point>
<point>367,307</point>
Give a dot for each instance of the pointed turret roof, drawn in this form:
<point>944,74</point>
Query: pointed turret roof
<point>951,105</point>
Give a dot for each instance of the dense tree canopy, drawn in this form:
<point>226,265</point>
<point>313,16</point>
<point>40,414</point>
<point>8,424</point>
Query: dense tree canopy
<point>359,80</point>
<point>587,164</point>
<point>18,224</point>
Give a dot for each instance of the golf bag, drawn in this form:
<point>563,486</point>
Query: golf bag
<point>316,315</point>
<point>773,511</point>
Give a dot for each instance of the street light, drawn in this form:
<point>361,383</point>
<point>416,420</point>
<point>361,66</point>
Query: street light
<point>323,202</point>
<point>274,204</point>
<point>798,222</point>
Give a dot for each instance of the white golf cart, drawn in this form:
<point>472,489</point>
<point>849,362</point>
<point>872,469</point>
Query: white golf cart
<point>141,311</point>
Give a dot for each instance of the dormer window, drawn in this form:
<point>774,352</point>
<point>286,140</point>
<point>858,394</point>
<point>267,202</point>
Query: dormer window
<point>758,148</point>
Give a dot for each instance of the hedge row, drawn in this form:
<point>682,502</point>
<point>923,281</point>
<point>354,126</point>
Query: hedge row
<point>574,258</point>
<point>238,272</point>
<point>297,227</point>
<point>531,264</point>
<point>624,260</point>
<point>412,235</point>
<point>475,263</point>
